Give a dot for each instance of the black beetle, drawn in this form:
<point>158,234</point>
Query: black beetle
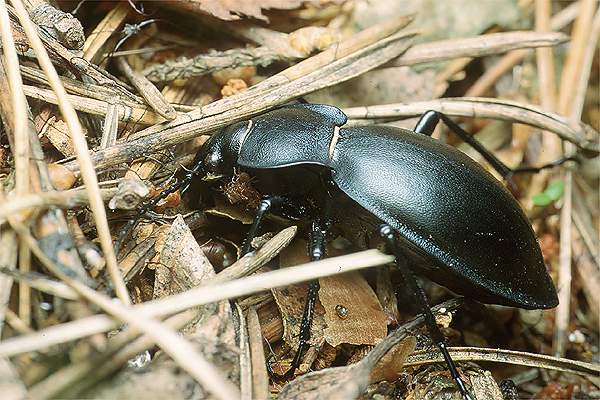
<point>441,213</point>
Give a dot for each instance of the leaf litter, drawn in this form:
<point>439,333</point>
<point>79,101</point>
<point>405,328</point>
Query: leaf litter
<point>205,64</point>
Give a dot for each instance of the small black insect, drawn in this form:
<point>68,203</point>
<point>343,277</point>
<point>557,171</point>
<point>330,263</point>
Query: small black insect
<point>439,212</point>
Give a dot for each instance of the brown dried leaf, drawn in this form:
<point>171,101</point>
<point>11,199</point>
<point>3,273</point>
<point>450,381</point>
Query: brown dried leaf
<point>390,365</point>
<point>233,9</point>
<point>182,264</point>
<point>223,208</point>
<point>349,382</point>
<point>352,312</point>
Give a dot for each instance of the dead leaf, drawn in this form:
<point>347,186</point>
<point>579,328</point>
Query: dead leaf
<point>182,264</point>
<point>352,312</point>
<point>233,9</point>
<point>223,208</point>
<point>390,365</point>
<point>349,382</point>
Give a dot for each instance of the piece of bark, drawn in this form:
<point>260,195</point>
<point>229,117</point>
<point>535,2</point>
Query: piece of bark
<point>212,331</point>
<point>61,25</point>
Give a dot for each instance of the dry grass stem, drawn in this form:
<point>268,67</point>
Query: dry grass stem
<point>128,112</point>
<point>545,61</point>
<point>579,134</point>
<point>245,363</point>
<point>491,76</point>
<point>260,378</point>
<point>21,145</point>
<point>128,344</point>
<point>111,127</point>
<point>479,46</point>
<point>19,103</point>
<point>67,198</point>
<point>577,65</point>
<point>104,30</point>
<point>199,296</point>
<point>182,351</point>
<point>41,283</point>
<point>572,69</point>
<point>587,269</point>
<point>76,377</point>
<point>82,151</point>
<point>8,259</point>
<point>149,92</point>
<point>547,87</point>
<point>507,357</point>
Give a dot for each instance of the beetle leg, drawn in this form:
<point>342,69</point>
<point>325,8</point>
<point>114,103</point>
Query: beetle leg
<point>265,205</point>
<point>316,251</point>
<point>553,164</point>
<point>429,121</point>
<point>389,235</point>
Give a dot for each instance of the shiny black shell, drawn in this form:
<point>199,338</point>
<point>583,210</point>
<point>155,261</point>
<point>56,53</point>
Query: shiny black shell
<point>469,229</point>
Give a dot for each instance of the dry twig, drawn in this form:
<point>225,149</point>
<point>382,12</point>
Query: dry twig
<point>178,348</point>
<point>580,134</point>
<point>199,296</point>
<point>81,148</point>
<point>507,357</point>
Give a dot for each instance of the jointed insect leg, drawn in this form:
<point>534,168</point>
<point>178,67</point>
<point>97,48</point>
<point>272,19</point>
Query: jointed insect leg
<point>316,251</point>
<point>419,296</point>
<point>428,121</point>
<point>265,205</point>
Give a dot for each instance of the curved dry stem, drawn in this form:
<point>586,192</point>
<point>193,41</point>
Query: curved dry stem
<point>521,358</point>
<point>579,134</point>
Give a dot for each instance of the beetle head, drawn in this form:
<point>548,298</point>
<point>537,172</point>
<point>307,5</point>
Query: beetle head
<point>220,153</point>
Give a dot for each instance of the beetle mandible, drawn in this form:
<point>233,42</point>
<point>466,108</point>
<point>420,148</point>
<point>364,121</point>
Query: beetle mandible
<point>430,203</point>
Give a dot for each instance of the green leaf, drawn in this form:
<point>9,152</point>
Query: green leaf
<point>541,199</point>
<point>555,190</point>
